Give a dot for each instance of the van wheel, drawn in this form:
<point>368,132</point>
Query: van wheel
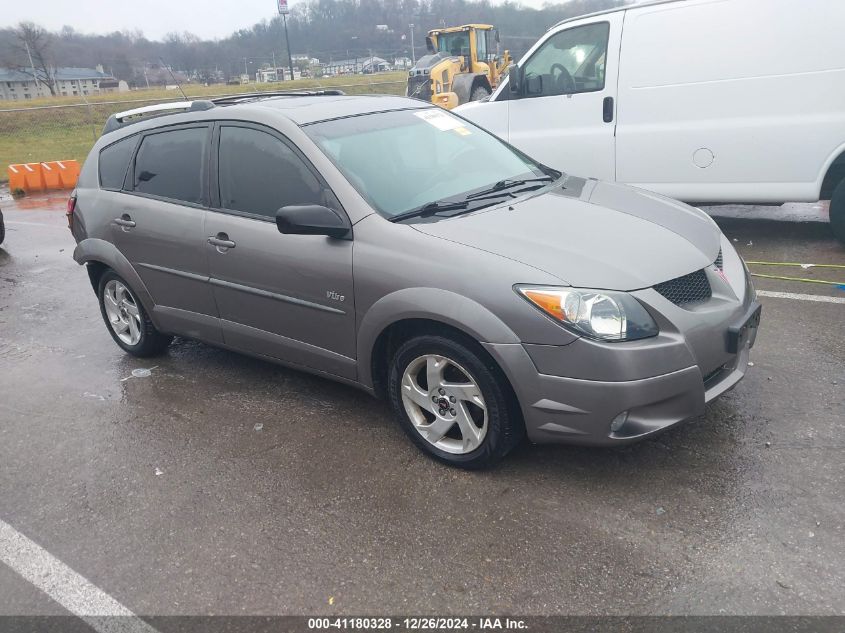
<point>479,93</point>
<point>837,212</point>
<point>453,403</point>
<point>126,319</point>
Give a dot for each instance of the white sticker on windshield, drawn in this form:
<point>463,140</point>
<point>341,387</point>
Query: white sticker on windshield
<point>440,119</point>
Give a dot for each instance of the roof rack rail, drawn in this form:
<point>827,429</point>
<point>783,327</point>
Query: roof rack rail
<point>252,96</point>
<point>122,119</point>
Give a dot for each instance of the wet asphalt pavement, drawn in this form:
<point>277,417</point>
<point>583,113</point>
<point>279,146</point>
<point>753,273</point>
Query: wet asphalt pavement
<point>221,484</point>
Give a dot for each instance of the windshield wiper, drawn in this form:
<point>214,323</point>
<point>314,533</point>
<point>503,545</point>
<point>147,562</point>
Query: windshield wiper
<point>504,185</point>
<point>501,187</point>
<point>429,209</point>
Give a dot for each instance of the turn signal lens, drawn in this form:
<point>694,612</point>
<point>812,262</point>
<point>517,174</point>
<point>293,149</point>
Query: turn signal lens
<point>604,315</point>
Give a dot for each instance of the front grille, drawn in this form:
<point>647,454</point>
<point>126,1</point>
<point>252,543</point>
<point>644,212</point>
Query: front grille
<point>419,87</point>
<point>718,263</point>
<point>692,288</point>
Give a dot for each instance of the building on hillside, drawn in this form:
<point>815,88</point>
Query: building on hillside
<point>355,66</point>
<point>313,61</point>
<point>271,75</point>
<point>113,85</point>
<point>402,63</point>
<point>374,65</point>
<point>28,83</point>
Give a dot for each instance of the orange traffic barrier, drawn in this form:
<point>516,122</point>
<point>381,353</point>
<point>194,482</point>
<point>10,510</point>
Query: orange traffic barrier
<point>68,172</point>
<point>50,176</point>
<point>16,177</point>
<point>26,176</point>
<point>57,174</point>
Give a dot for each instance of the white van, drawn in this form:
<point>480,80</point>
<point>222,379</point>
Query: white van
<point>701,100</point>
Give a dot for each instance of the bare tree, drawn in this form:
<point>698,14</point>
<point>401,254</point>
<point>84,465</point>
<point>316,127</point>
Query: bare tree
<point>32,47</point>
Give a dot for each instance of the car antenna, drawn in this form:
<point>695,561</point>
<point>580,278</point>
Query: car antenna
<point>161,59</point>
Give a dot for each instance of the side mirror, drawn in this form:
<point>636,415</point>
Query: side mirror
<point>313,219</point>
<point>496,35</point>
<point>515,79</point>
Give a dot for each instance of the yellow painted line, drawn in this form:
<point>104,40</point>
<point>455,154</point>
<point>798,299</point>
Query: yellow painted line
<point>803,279</point>
<point>796,264</point>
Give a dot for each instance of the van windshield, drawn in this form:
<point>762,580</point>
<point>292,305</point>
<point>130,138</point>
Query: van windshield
<point>404,159</point>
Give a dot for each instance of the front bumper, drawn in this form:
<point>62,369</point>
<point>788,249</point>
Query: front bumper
<point>573,393</point>
<point>578,411</point>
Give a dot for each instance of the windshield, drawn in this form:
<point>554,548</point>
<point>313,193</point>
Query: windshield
<point>404,159</point>
<point>453,43</point>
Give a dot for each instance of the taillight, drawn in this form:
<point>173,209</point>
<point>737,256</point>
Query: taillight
<point>71,207</point>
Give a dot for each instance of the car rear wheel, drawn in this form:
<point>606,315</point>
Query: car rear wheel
<point>837,212</point>
<point>453,402</point>
<point>126,319</point>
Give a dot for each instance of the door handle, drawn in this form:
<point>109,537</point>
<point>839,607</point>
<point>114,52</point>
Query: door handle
<point>125,221</point>
<point>607,109</point>
<point>221,241</point>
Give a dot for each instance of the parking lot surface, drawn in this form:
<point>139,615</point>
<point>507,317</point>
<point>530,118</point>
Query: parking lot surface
<point>219,484</point>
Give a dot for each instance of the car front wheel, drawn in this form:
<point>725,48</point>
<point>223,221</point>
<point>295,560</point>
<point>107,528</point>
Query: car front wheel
<point>453,401</point>
<point>126,319</point>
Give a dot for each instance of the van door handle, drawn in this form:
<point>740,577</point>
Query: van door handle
<point>607,109</point>
<point>125,221</point>
<point>221,241</point>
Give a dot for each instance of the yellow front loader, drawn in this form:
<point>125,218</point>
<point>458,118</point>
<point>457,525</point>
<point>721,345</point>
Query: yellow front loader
<point>461,66</point>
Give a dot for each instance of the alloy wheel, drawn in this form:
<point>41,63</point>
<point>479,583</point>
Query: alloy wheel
<point>122,312</point>
<point>444,404</point>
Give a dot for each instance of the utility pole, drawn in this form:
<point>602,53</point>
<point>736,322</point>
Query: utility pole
<point>413,54</point>
<point>32,66</point>
<point>287,38</point>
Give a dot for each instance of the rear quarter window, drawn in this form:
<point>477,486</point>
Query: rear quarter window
<point>114,161</point>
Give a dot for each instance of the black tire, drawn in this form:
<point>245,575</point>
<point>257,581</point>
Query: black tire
<point>2,228</point>
<point>505,428</point>
<point>152,342</point>
<point>479,93</point>
<point>837,212</point>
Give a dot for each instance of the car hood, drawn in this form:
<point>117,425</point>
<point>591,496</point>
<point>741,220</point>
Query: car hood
<point>591,234</point>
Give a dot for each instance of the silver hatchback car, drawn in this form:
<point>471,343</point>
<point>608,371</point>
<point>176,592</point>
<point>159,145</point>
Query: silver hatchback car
<point>399,248</point>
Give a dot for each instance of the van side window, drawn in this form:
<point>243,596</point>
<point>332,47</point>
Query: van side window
<point>260,174</point>
<point>569,62</point>
<point>170,164</point>
<point>114,161</point>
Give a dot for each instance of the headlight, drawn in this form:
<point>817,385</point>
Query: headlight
<point>599,314</point>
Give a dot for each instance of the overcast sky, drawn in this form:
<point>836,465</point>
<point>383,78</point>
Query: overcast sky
<point>206,18</point>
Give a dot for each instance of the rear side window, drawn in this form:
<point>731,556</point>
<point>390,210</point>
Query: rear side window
<point>170,164</point>
<point>260,174</point>
<point>114,161</point>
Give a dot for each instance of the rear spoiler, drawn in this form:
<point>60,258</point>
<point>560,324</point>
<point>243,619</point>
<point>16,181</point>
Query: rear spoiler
<point>122,119</point>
